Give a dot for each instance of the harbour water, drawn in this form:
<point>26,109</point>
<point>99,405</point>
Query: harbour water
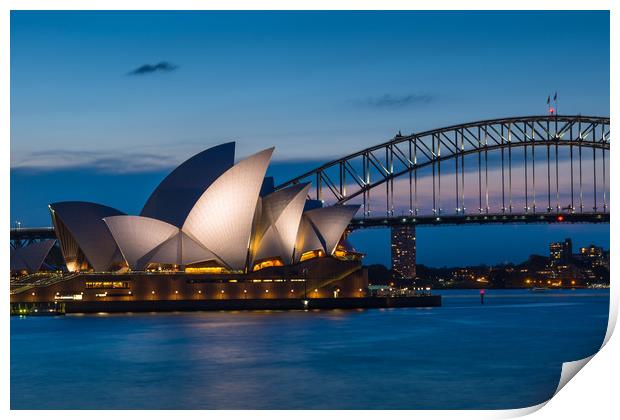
<point>506,353</point>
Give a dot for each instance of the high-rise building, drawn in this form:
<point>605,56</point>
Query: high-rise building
<point>591,251</point>
<point>403,251</point>
<point>594,254</point>
<point>560,252</point>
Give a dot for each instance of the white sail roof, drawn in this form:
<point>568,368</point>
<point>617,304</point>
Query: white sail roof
<point>136,236</point>
<point>31,257</point>
<point>206,210</point>
<point>307,238</point>
<point>324,226</point>
<point>193,252</point>
<point>180,250</point>
<point>175,196</point>
<point>281,215</point>
<point>222,218</point>
<point>143,240</point>
<point>79,224</point>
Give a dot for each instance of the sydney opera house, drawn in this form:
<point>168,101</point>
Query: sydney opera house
<point>212,229</point>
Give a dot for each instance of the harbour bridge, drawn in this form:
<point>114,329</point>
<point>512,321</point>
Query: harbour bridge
<point>535,169</point>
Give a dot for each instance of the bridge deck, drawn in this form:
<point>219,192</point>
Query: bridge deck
<point>430,220</point>
<point>425,220</point>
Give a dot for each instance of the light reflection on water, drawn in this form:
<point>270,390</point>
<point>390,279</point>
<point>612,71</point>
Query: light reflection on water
<point>506,353</point>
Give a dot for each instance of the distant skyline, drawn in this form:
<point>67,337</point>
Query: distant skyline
<point>103,104</point>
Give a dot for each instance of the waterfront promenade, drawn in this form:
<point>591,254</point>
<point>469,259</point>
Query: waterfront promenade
<point>79,306</point>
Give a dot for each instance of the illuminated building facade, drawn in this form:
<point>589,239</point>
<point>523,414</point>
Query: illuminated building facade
<point>561,252</point>
<point>595,255</point>
<point>403,251</point>
<point>591,251</point>
<point>213,224</point>
<point>207,213</point>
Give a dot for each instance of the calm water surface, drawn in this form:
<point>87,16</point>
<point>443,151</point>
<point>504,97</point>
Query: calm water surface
<point>505,354</point>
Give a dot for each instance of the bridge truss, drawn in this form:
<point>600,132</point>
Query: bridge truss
<point>523,168</point>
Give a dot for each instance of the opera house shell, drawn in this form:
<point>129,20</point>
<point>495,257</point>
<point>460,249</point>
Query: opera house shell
<point>30,258</point>
<point>207,214</point>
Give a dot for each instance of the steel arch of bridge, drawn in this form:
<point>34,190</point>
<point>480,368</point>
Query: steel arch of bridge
<point>355,175</point>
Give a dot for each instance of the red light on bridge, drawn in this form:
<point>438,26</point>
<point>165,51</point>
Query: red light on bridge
<point>560,218</point>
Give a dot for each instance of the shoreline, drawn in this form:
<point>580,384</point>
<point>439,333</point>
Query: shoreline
<point>59,308</point>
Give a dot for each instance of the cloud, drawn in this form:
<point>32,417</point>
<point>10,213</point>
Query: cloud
<point>163,66</point>
<point>100,161</point>
<point>398,101</point>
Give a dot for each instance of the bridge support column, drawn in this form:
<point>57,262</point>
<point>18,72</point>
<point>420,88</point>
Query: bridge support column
<point>403,244</point>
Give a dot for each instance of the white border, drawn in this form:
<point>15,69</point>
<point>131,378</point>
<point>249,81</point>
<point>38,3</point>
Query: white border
<point>594,395</point>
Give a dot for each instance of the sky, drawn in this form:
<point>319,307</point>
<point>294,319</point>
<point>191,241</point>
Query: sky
<point>105,104</point>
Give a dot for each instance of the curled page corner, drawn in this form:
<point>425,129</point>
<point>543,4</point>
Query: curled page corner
<point>570,369</point>
<point>521,412</point>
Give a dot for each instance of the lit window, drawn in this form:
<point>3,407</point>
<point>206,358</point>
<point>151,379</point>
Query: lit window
<point>275,262</point>
<point>311,254</point>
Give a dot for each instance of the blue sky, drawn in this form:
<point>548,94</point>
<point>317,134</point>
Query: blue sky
<point>316,85</point>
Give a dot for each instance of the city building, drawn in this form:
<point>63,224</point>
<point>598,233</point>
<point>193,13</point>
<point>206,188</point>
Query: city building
<point>591,251</point>
<point>403,251</point>
<point>561,252</point>
<point>594,257</point>
<point>211,229</point>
